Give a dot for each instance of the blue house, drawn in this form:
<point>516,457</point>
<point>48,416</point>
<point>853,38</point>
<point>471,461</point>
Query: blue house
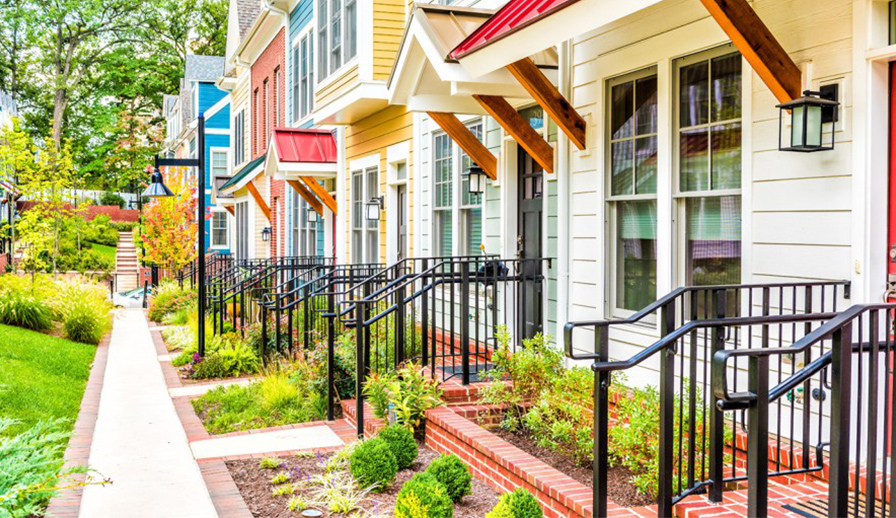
<point>200,95</point>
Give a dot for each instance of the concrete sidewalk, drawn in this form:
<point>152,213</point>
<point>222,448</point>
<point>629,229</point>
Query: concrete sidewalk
<point>139,442</point>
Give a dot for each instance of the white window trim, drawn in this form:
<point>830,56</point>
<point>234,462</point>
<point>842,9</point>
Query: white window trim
<point>309,31</point>
<point>362,164</point>
<point>211,161</point>
<point>226,245</point>
<point>322,80</point>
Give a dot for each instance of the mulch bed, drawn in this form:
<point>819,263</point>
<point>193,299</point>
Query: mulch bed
<point>255,487</point>
<point>620,490</point>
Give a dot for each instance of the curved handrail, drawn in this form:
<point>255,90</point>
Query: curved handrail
<point>664,301</point>
<point>739,400</point>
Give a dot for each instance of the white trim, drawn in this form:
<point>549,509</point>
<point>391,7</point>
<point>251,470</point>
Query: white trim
<point>365,162</point>
<point>217,131</point>
<point>374,93</point>
<point>218,106</point>
<point>218,149</point>
<point>211,228</point>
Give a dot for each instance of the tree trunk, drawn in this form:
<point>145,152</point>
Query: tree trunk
<point>60,104</point>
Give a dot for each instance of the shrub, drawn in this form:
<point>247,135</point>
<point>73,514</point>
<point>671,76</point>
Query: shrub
<point>561,418</point>
<point>111,199</point>
<point>269,463</point>
<point>277,392</point>
<point>169,297</point>
<point>85,323</point>
<point>453,474</point>
<point>24,310</point>
<point>212,366</point>
<point>519,504</point>
<point>401,441</point>
<point>407,392</point>
<point>238,359</point>
<point>423,497</point>
<point>124,226</point>
<point>373,464</point>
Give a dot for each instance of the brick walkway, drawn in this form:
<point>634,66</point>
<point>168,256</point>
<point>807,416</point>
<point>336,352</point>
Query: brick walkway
<point>139,442</point>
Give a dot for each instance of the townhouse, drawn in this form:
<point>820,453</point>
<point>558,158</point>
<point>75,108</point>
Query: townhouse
<point>200,95</point>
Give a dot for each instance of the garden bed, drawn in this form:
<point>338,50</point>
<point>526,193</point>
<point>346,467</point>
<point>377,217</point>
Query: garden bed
<point>255,487</point>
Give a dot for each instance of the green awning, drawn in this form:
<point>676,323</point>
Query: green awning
<point>243,173</point>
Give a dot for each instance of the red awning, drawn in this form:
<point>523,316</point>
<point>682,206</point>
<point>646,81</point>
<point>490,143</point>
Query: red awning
<point>515,15</point>
<point>305,145</point>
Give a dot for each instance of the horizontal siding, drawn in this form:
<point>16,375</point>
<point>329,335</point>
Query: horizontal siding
<point>388,28</point>
<point>334,89</point>
<point>240,101</point>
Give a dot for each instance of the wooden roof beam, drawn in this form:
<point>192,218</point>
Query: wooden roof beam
<point>308,196</point>
<point>461,134</point>
<point>321,193</point>
<point>259,200</point>
<point>229,208</point>
<point>758,45</point>
<point>515,125</point>
<point>550,99</point>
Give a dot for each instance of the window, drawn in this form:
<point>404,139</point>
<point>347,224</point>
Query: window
<point>194,100</point>
<point>219,165</point>
<point>336,34</point>
<point>709,165</point>
<point>365,234</point>
<point>632,165</point>
<point>192,147</point>
<point>275,116</point>
<point>449,163</point>
<point>304,233</point>
<point>239,137</point>
<point>302,78</point>
<point>266,102</point>
<point>242,230</point>
<point>256,117</point>
<point>219,229</point>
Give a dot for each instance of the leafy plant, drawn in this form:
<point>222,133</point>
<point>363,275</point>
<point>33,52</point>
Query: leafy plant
<point>338,491</point>
<point>407,392</point>
<point>212,366</point>
<point>401,441</point>
<point>283,490</point>
<point>86,322</point>
<point>561,418</point>
<point>269,463</point>
<point>518,504</point>
<point>277,392</point>
<point>423,496</point>
<point>238,359</point>
<point>373,464</point>
<point>453,474</point>
<point>24,310</point>
<point>280,478</point>
<point>297,504</point>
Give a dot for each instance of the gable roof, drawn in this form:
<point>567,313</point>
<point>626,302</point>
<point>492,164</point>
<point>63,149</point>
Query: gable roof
<point>305,145</point>
<point>246,173</point>
<point>203,68</point>
<point>247,11</point>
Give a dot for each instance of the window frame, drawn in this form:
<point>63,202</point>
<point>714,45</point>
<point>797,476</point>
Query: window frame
<point>239,137</point>
<point>457,212</point>
<point>303,63</point>
<point>368,232</point>
<point>212,244</point>
<point>613,201</point>
<point>680,197</point>
<point>329,20</point>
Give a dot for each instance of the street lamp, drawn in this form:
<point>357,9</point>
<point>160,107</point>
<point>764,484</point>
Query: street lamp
<point>157,188</point>
<point>374,206</point>
<point>475,179</point>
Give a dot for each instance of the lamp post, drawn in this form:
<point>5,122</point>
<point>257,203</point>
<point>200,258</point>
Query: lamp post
<point>157,189</point>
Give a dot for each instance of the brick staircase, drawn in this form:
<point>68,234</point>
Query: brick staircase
<point>126,268</point>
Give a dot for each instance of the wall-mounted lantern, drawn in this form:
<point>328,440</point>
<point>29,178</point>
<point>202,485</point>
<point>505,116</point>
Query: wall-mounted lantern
<point>266,234</point>
<point>311,215</point>
<point>374,206</point>
<point>475,179</point>
<point>809,114</point>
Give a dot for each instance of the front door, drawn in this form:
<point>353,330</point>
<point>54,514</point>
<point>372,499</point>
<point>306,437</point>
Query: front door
<point>529,234</point>
<point>401,192</point>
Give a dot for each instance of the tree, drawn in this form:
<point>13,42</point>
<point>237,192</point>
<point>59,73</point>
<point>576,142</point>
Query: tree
<point>169,224</point>
<point>16,35</point>
<point>16,160</point>
<point>211,28</point>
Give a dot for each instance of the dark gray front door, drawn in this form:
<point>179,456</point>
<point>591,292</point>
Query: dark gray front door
<point>402,191</point>
<point>529,239</point>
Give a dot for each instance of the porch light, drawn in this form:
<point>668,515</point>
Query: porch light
<point>266,234</point>
<point>311,215</point>
<point>374,206</point>
<point>809,114</point>
<point>157,187</point>
<point>475,179</point>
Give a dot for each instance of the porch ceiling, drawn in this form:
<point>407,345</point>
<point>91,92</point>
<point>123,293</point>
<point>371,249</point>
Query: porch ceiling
<point>425,78</point>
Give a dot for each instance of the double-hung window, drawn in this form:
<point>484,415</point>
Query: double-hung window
<point>449,165</point>
<point>304,232</point>
<point>632,166</point>
<point>337,37</point>
<point>708,127</point>
<point>219,163</point>
<point>219,229</point>
<point>303,77</point>
<point>365,233</point>
<point>242,230</point>
<point>239,137</point>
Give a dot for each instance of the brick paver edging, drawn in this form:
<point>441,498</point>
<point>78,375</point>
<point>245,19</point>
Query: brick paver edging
<point>505,467</point>
<point>225,494</point>
<point>67,502</point>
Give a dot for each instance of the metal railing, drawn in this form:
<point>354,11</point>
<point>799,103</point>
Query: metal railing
<point>852,356</point>
<point>695,437</point>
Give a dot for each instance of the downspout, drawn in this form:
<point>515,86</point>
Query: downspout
<point>563,205</point>
<point>890,294</point>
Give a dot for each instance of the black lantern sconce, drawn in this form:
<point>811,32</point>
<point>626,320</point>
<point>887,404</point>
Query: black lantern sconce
<point>809,114</point>
<point>266,234</point>
<point>374,206</point>
<point>475,179</point>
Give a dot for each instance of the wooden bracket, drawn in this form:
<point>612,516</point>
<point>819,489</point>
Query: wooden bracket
<point>758,45</point>
<point>321,193</point>
<point>308,196</point>
<point>229,208</point>
<point>467,141</point>
<point>550,99</point>
<point>259,200</point>
<point>514,124</point>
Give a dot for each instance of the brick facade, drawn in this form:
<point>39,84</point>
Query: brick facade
<point>268,105</point>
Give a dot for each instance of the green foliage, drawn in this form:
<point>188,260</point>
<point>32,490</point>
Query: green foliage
<point>280,478</point>
<point>407,392</point>
<point>453,474</point>
<point>85,322</point>
<point>283,490</point>
<point>238,359</point>
<point>423,496</point>
<point>124,226</point>
<point>269,463</point>
<point>277,392</point>
<point>519,504</point>
<point>212,366</point>
<point>169,297</point>
<point>22,309</point>
<point>111,199</point>
<point>373,464</point>
<point>401,441</point>
<point>561,418</point>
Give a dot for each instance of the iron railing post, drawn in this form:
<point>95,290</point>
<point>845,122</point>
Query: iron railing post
<point>841,409</point>
<point>667,416</point>
<point>757,439</point>
<point>331,350</point>
<point>360,365</point>
<point>399,326</point>
<point>716,417</point>
<point>424,316</point>
<point>306,315</point>
<point>465,322</point>
<point>601,426</point>
<point>264,333</point>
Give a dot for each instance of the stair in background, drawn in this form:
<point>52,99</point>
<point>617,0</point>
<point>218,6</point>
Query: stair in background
<point>126,267</point>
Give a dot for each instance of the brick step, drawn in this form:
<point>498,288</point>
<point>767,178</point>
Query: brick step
<point>734,503</point>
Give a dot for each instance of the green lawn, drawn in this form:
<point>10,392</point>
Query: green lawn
<point>107,251</point>
<point>41,377</point>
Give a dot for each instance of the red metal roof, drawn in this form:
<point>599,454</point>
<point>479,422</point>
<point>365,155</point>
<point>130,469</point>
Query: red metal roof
<point>305,145</point>
<point>515,15</point>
